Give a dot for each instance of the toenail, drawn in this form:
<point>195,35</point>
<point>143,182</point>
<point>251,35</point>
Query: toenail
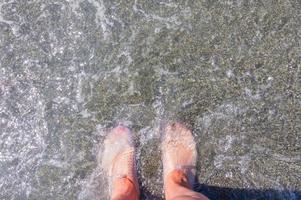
<point>121,128</point>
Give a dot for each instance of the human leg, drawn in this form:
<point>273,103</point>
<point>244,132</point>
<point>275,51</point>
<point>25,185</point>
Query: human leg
<point>179,160</point>
<point>119,163</point>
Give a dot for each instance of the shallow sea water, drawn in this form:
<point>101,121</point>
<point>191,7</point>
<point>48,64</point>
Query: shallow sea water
<point>72,69</point>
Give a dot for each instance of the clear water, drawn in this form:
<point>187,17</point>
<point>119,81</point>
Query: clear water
<point>71,69</point>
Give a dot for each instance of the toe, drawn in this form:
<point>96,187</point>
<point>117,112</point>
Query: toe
<point>120,129</point>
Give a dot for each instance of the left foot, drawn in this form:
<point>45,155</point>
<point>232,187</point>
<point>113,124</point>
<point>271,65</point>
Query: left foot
<point>118,157</point>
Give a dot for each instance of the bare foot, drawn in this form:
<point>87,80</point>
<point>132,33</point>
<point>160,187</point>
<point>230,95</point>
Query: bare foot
<point>178,151</point>
<point>118,156</point>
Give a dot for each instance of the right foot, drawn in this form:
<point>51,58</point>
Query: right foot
<point>178,151</point>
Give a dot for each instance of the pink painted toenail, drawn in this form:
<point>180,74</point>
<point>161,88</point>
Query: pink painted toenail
<point>121,129</point>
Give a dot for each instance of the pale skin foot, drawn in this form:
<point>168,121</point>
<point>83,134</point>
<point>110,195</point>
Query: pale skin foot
<point>179,163</point>
<point>179,159</point>
<point>119,164</point>
<point>178,151</point>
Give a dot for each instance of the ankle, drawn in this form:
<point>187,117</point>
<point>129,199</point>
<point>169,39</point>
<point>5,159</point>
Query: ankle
<point>179,177</point>
<point>124,188</point>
